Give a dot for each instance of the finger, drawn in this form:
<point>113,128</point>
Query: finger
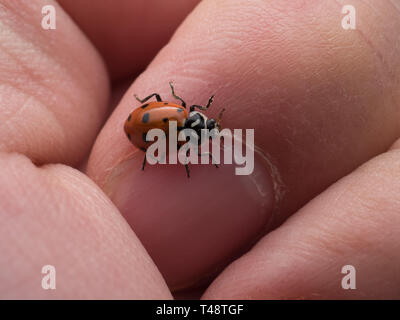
<point>355,222</point>
<point>56,216</point>
<point>128,34</point>
<point>53,85</point>
<point>287,76</point>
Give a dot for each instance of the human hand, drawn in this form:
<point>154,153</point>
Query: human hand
<point>322,100</point>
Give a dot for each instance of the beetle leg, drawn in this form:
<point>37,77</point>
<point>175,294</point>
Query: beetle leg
<point>175,96</point>
<point>147,98</point>
<point>186,166</point>
<point>201,107</point>
<point>187,170</point>
<point>144,162</point>
<point>211,157</point>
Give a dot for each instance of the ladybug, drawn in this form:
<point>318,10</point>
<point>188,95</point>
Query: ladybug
<point>157,114</point>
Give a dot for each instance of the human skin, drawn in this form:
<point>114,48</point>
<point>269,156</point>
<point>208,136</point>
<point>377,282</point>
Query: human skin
<point>323,101</point>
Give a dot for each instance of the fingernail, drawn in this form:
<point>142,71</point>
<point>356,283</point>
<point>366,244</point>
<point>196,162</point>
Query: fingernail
<point>192,227</point>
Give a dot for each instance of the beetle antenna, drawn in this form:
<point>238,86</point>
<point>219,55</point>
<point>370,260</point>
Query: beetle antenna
<point>220,118</point>
<point>175,96</point>
<point>220,115</point>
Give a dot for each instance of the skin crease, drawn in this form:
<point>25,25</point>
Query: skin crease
<point>322,101</point>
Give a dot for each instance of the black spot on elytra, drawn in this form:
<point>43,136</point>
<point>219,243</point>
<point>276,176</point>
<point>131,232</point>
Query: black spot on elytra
<point>145,105</point>
<point>165,103</point>
<point>165,119</point>
<point>130,116</point>
<point>180,110</point>
<point>146,117</point>
<point>144,134</point>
